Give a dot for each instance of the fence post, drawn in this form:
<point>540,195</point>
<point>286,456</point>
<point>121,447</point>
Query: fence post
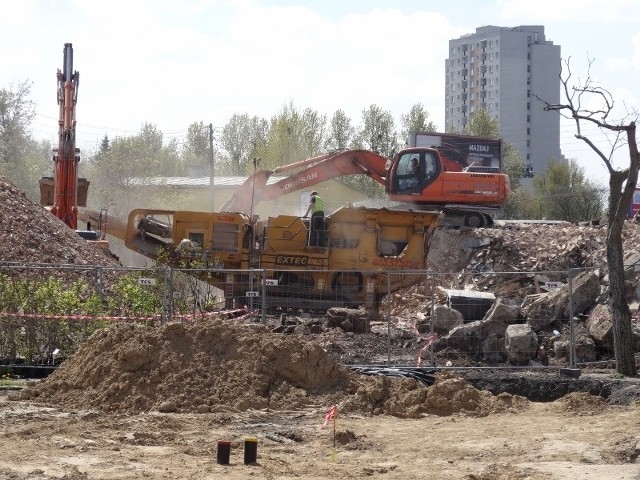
<point>99,283</point>
<point>389,298</point>
<point>432,283</point>
<point>572,344</point>
<point>167,307</point>
<point>263,294</point>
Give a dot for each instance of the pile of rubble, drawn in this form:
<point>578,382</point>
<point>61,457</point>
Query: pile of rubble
<point>524,267</point>
<point>29,234</point>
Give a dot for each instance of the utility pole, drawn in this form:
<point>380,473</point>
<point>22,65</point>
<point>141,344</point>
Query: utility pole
<point>211,173</point>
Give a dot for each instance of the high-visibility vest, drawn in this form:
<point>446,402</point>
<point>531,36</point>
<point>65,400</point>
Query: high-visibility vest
<point>318,204</point>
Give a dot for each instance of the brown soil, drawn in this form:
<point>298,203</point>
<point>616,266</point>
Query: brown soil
<point>217,364</point>
<point>145,402</point>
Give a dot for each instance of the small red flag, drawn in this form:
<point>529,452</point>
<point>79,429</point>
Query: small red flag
<point>330,415</point>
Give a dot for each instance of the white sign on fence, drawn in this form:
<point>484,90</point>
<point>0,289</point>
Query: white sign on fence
<point>551,285</point>
<point>146,281</point>
<point>271,281</point>
<point>252,294</point>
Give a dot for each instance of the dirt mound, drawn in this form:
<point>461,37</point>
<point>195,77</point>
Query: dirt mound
<point>451,394</point>
<point>215,365</point>
<point>31,234</point>
<point>582,403</point>
<point>194,368</point>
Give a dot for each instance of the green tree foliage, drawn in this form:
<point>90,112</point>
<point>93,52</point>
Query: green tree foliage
<point>135,300</point>
<point>16,113</point>
<point>22,159</point>
<point>377,131</point>
<point>482,124</point>
<point>121,169</point>
<point>35,338</point>
<point>313,133</point>
<point>416,120</point>
<point>105,144</point>
<point>512,165</point>
<point>340,131</point>
<point>293,136</point>
<point>243,137</point>
<point>567,194</point>
<point>195,152</point>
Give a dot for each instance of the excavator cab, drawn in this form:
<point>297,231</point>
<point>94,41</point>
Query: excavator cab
<point>414,170</point>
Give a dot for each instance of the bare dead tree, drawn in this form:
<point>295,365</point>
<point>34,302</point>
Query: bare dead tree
<point>588,103</point>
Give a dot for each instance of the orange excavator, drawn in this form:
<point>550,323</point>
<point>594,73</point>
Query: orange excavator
<point>419,176</point>
<point>65,192</point>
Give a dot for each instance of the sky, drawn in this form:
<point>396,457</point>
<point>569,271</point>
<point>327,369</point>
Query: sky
<point>174,62</point>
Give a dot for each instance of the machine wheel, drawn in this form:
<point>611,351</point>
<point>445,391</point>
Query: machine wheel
<point>488,221</point>
<point>347,283</point>
<point>474,220</point>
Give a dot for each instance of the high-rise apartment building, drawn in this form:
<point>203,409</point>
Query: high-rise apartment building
<point>503,70</point>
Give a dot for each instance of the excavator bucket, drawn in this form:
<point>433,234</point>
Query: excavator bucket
<point>47,191</point>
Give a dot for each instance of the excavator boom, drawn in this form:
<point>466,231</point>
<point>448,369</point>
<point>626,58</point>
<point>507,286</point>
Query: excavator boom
<point>65,198</point>
<point>311,172</point>
<point>421,176</point>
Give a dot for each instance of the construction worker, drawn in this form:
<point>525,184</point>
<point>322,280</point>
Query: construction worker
<point>316,227</point>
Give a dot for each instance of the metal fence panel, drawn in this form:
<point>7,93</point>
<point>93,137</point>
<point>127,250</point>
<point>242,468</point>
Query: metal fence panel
<point>417,318</point>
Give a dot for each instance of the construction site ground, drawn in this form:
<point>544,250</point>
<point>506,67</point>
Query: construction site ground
<point>149,402</point>
<point>577,438</point>
<point>152,402</point>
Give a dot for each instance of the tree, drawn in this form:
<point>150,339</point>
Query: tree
<point>19,154</point>
<point>567,194</point>
<point>482,124</point>
<point>377,131</point>
<point>239,138</point>
<point>590,104</point>
<point>195,153</point>
<point>127,162</point>
<point>340,131</point>
<point>512,165</point>
<point>416,120</point>
<point>105,144</point>
<point>313,133</point>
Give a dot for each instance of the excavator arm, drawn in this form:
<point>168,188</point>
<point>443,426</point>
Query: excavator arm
<point>308,172</point>
<point>65,201</point>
